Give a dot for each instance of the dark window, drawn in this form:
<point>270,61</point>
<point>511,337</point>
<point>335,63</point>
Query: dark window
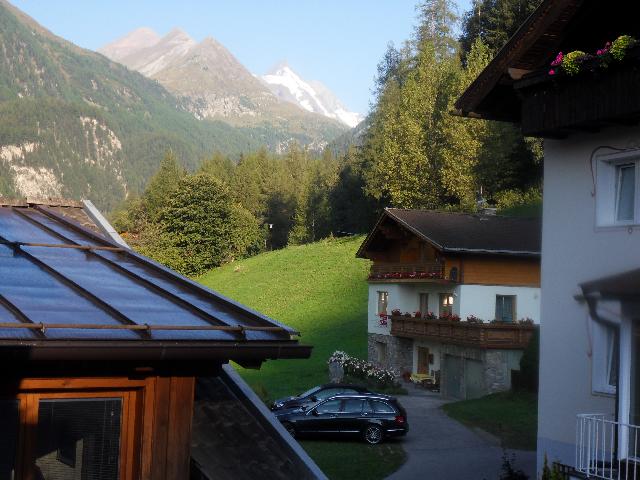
<point>352,406</point>
<point>332,406</point>
<point>8,438</point>
<point>505,308</point>
<point>424,303</point>
<point>78,439</point>
<point>381,407</point>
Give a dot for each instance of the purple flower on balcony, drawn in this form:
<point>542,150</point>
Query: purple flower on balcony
<point>552,72</point>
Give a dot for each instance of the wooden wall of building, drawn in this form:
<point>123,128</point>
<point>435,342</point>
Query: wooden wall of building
<point>484,270</point>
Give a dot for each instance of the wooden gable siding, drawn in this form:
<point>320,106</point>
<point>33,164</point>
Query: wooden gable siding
<point>496,270</point>
<point>411,250</point>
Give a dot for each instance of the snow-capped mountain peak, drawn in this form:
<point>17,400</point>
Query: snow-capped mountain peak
<point>312,96</point>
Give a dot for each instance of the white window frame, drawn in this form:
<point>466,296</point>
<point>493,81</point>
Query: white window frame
<point>607,186</point>
<point>604,338</point>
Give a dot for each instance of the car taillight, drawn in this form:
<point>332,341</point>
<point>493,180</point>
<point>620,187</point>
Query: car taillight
<point>400,419</point>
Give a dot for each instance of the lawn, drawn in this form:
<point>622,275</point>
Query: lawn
<point>355,461</point>
<point>510,416</point>
<point>319,289</point>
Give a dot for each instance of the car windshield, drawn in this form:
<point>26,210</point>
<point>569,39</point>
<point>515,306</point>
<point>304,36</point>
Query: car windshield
<point>311,391</point>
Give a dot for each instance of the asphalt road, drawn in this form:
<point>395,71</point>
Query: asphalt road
<point>440,448</point>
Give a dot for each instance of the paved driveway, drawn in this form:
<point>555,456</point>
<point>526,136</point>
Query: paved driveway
<point>439,447</point>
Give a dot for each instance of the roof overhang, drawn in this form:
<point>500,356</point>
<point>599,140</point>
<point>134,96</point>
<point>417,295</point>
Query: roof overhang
<point>611,298</point>
<point>537,38</point>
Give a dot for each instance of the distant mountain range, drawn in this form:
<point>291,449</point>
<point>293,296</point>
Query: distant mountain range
<point>75,124</point>
<point>214,84</point>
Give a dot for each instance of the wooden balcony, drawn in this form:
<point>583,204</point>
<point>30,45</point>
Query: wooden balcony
<point>408,272</point>
<point>555,106</point>
<point>507,336</point>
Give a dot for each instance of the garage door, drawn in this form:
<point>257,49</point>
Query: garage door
<point>474,378</point>
<point>452,376</point>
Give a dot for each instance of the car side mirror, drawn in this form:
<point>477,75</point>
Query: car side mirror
<point>314,412</point>
<point>313,398</point>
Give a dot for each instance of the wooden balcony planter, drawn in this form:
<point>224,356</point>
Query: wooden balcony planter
<point>555,105</point>
<point>509,336</point>
<point>407,272</point>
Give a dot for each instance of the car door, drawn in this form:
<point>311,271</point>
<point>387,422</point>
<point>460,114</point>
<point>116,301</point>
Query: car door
<point>323,418</point>
<point>351,420</point>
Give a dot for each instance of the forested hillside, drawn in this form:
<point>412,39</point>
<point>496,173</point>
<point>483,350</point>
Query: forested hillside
<point>74,124</point>
<point>410,152</point>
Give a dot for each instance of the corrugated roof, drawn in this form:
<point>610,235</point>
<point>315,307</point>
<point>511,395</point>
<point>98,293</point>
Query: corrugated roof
<point>469,233</point>
<point>60,280</point>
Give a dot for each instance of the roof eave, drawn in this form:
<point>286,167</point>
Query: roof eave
<point>149,351</point>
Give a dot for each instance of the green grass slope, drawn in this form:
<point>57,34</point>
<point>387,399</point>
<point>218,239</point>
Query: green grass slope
<point>320,289</point>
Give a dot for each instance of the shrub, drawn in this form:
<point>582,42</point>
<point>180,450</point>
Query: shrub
<point>364,370</point>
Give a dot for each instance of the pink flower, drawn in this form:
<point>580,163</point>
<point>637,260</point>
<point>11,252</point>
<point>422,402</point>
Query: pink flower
<point>552,72</point>
<point>558,60</point>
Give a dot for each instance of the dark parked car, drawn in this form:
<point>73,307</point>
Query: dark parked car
<point>315,395</point>
<point>370,416</point>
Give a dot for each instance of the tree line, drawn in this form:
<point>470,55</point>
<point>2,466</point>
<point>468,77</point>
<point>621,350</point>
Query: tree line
<point>413,153</point>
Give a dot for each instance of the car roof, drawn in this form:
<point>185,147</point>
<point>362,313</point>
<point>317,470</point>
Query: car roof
<point>363,396</point>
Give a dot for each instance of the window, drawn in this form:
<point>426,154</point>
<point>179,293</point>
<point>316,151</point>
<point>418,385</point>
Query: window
<point>625,191</point>
<point>617,194</point>
<point>381,407</point>
<point>383,302</point>
<point>505,308</point>
<point>605,358</point>
<point>446,303</point>
<point>424,303</point>
<point>332,406</point>
<point>78,438</point>
<point>352,406</point>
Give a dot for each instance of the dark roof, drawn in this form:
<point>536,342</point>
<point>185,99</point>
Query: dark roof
<point>64,285</point>
<point>232,438</point>
<point>622,285</point>
<point>556,25</point>
<point>468,233</point>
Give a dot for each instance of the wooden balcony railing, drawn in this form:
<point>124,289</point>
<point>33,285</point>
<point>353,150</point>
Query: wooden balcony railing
<point>407,271</point>
<point>480,335</point>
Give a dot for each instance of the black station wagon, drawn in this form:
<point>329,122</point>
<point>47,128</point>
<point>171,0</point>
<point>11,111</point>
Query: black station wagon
<point>371,416</point>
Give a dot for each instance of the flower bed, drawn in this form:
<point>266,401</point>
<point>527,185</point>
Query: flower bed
<point>365,371</point>
<point>405,275</point>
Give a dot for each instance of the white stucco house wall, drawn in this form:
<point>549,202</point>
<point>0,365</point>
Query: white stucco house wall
<point>589,393</point>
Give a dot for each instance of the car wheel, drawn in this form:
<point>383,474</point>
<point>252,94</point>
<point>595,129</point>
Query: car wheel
<point>290,428</point>
<point>373,434</point>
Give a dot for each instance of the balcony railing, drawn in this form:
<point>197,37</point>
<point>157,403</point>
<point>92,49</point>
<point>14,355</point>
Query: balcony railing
<point>600,444</point>
<point>407,271</point>
<point>479,335</point>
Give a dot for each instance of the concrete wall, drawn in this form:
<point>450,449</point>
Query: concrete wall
<point>480,300</point>
<point>574,250</point>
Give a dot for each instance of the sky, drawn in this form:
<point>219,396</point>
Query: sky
<point>336,42</point>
